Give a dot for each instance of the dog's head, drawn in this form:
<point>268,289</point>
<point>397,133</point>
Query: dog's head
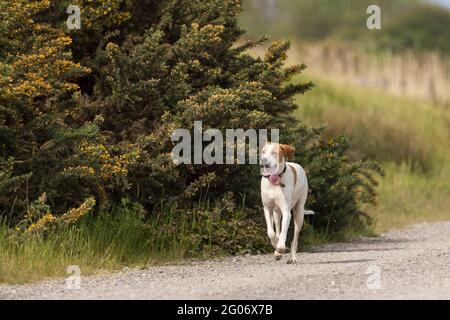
<point>273,156</point>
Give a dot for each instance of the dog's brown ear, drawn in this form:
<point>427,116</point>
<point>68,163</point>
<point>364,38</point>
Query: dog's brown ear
<point>288,151</point>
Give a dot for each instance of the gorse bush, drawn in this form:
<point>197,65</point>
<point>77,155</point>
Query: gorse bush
<point>88,114</point>
<point>39,218</point>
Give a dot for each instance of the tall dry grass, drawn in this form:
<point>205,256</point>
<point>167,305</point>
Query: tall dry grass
<point>410,74</point>
<point>380,127</point>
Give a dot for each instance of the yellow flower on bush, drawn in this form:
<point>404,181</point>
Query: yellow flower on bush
<point>42,224</point>
<point>49,221</point>
<point>83,171</point>
<point>108,165</point>
<point>75,214</point>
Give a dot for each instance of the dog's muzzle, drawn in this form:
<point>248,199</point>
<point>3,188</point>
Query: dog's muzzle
<point>264,163</point>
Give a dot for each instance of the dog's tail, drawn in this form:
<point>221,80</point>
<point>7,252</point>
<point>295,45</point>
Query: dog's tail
<point>309,212</point>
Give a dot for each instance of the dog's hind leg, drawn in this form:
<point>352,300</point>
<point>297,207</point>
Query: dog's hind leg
<point>298,213</point>
<point>298,223</point>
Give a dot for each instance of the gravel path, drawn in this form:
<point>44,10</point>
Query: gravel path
<point>412,263</point>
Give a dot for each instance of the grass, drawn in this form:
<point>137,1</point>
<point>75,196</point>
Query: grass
<point>354,64</point>
<point>107,242</point>
<point>125,237</point>
<point>410,138</point>
<point>407,197</point>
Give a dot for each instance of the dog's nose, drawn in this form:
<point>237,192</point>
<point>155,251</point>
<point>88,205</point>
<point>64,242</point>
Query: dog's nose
<point>264,161</point>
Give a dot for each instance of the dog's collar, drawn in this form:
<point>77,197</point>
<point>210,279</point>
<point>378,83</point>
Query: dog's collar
<point>280,175</point>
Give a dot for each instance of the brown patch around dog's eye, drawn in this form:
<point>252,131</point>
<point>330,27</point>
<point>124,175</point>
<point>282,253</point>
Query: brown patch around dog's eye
<point>280,153</point>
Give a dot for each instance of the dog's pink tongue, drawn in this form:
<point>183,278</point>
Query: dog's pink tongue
<point>274,179</point>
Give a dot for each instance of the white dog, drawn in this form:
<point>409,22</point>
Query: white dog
<point>284,187</point>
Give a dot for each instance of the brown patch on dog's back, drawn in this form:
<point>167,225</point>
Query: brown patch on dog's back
<point>295,174</point>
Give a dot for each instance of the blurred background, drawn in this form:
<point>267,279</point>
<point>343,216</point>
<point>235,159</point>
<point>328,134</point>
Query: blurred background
<point>387,89</point>
<point>406,57</point>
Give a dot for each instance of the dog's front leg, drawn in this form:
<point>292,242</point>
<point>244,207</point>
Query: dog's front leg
<point>268,214</point>
<point>281,245</point>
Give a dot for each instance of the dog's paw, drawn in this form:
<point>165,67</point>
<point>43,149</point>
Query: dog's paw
<point>292,261</point>
<point>277,255</point>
